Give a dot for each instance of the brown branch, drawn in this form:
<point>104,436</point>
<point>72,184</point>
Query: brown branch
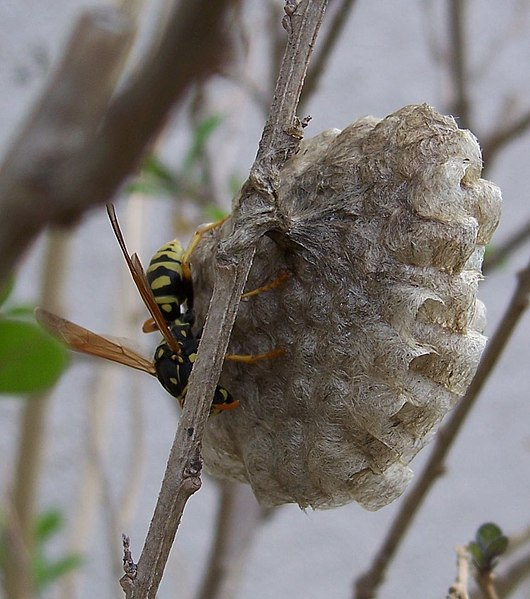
<point>72,154</point>
<point>254,215</point>
<point>503,135</point>
<point>32,429</point>
<point>62,121</point>
<point>16,579</point>
<point>500,253</point>
<point>458,62</point>
<point>328,43</point>
<point>238,519</point>
<point>368,583</point>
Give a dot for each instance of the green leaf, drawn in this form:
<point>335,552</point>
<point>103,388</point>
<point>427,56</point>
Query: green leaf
<point>155,178</point>
<point>234,184</point>
<point>155,169</point>
<point>21,311</point>
<point>214,213</point>
<point>6,289</point>
<point>48,523</point>
<point>46,572</point>
<point>30,360</point>
<point>201,134</point>
<point>489,543</point>
<point>476,552</point>
<point>498,546</point>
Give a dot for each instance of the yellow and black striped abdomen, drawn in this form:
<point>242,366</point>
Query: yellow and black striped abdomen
<point>174,370</point>
<point>168,282</point>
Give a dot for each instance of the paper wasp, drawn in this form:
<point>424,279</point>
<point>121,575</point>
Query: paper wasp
<point>167,292</point>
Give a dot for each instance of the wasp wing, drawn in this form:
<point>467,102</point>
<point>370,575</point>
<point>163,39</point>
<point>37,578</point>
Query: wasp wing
<point>84,341</point>
<point>140,280</point>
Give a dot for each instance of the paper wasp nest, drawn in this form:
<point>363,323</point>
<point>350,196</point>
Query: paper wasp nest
<point>385,227</point>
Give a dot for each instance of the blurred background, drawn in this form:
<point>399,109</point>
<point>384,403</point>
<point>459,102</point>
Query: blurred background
<point>101,438</point>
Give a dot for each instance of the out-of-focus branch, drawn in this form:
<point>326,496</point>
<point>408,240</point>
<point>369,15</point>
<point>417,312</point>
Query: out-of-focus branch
<point>32,434</point>
<point>238,519</point>
<point>254,215</point>
<point>458,62</point>
<point>486,583</point>
<point>502,136</point>
<point>328,42</point>
<point>507,582</point>
<point>498,254</point>
<point>72,154</point>
<point>366,585</point>
<point>61,123</point>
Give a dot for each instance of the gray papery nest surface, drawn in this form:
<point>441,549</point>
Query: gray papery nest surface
<point>383,235</point>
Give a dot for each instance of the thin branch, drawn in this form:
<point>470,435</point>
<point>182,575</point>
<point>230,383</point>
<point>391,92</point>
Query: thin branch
<point>16,579</point>
<point>498,254</point>
<point>238,519</point>
<point>368,583</point>
<point>485,581</point>
<point>458,590</point>
<point>517,541</point>
<point>458,62</point>
<point>502,136</point>
<point>328,43</point>
<point>254,215</point>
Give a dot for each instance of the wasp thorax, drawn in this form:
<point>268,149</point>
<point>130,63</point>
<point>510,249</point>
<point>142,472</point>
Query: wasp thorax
<point>385,227</point>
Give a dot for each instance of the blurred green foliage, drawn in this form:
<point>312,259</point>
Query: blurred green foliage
<point>44,570</point>
<point>156,178</point>
<point>30,360</point>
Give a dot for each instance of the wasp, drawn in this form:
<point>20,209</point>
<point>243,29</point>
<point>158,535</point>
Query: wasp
<point>167,292</point>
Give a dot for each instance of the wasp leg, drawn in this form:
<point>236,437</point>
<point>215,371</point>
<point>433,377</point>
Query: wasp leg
<point>197,236</point>
<point>150,326</point>
<point>267,287</point>
<point>252,358</point>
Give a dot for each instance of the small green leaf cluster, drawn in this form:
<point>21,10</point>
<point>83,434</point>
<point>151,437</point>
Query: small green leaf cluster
<point>156,178</point>
<point>489,544</point>
<point>44,570</point>
<point>30,360</point>
<point>190,180</point>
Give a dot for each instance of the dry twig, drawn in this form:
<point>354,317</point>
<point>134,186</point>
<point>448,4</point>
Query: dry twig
<point>253,216</point>
<point>458,62</point>
<point>238,519</point>
<point>367,584</point>
<point>328,43</point>
<point>504,134</point>
<point>499,254</point>
<point>458,590</point>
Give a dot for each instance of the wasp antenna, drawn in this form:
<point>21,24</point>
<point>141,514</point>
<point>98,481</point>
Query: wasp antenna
<point>140,280</point>
<point>111,211</point>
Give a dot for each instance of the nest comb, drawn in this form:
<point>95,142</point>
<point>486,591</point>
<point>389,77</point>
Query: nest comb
<point>384,230</point>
